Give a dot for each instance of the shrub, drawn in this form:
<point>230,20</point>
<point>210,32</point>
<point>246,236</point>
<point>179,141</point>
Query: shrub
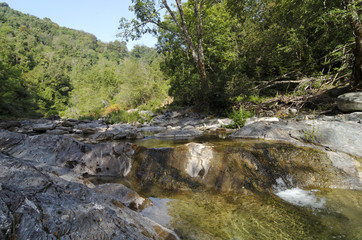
<point>239,117</point>
<point>124,117</point>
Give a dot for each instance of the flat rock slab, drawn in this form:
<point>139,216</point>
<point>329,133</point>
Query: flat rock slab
<point>340,136</point>
<point>350,102</point>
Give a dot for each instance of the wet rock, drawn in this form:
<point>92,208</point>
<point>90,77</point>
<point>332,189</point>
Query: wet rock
<point>350,102</point>
<point>124,195</point>
<point>237,166</point>
<point>108,159</point>
<point>199,158</point>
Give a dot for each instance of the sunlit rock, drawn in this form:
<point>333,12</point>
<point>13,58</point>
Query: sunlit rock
<point>198,159</point>
<point>350,102</point>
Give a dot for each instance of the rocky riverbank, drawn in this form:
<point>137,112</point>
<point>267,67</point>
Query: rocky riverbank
<point>47,165</point>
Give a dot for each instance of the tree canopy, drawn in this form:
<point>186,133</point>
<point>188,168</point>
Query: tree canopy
<point>247,43</point>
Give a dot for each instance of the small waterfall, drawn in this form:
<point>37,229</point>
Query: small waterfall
<point>297,196</point>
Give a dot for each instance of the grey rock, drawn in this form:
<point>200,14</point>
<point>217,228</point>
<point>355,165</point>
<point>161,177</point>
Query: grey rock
<point>225,121</point>
<point>42,127</point>
<point>191,121</point>
<point>57,132</point>
<point>69,122</point>
<point>92,127</point>
<point>106,159</point>
<point>340,136</point>
<point>101,136</point>
<point>262,119</point>
<point>152,129</point>
<point>350,102</point>
<point>188,127</point>
<point>179,134</point>
<point>147,113</point>
<point>133,135</point>
<point>9,124</point>
<point>355,117</point>
<point>50,149</point>
<point>48,207</point>
<point>118,135</point>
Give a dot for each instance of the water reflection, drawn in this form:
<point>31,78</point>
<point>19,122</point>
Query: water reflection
<point>159,211</point>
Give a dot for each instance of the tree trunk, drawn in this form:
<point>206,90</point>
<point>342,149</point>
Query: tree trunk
<point>197,53</point>
<point>356,78</point>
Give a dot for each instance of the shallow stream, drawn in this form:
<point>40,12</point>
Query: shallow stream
<point>285,212</point>
<point>325,214</point>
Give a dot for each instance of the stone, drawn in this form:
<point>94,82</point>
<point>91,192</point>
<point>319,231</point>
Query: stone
<point>262,119</point>
<point>118,135</point>
<point>45,206</point>
<point>9,124</point>
<point>126,196</point>
<point>147,113</point>
<point>102,136</point>
<point>225,121</point>
<point>341,136</point>
<point>69,123</point>
<point>350,102</point>
<point>57,132</point>
<point>45,148</point>
<point>42,127</point>
<point>152,129</point>
<point>179,134</point>
<point>133,135</point>
<point>89,128</point>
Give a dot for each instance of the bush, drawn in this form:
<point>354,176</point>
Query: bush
<point>124,117</point>
<point>239,117</point>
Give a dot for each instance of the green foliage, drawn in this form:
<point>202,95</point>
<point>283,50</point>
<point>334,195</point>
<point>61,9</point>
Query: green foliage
<point>239,117</point>
<point>50,70</point>
<point>124,117</point>
<point>249,42</point>
<point>47,69</point>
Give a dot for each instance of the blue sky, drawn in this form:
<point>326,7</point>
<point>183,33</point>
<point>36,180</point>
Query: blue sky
<point>100,18</point>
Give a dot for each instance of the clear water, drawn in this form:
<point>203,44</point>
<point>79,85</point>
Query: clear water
<point>210,215</point>
<point>287,213</point>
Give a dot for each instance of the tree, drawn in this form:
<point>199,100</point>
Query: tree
<point>354,9</point>
<point>147,13</point>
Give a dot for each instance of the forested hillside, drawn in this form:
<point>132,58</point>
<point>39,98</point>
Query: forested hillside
<point>50,70</point>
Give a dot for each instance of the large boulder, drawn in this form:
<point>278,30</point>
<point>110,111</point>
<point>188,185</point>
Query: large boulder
<point>350,102</point>
<point>39,205</point>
